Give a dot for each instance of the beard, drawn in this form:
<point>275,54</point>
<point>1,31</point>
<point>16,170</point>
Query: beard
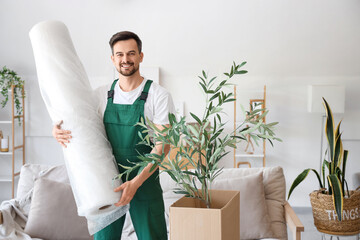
<point>128,72</point>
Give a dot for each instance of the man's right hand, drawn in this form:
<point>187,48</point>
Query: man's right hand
<point>62,136</point>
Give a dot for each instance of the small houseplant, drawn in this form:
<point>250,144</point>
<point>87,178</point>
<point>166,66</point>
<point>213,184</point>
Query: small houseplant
<point>331,204</point>
<point>7,79</point>
<point>206,141</point>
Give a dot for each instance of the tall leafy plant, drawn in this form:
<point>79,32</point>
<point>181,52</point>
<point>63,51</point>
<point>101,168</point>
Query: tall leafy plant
<point>335,164</point>
<point>201,146</point>
<point>7,79</point>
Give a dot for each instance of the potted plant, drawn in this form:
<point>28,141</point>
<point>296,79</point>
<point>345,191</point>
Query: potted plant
<point>335,210</point>
<point>206,141</point>
<point>9,78</point>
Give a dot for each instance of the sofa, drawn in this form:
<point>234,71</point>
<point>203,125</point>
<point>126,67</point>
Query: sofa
<point>44,207</point>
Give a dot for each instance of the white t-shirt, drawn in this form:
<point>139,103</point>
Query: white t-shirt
<point>158,104</point>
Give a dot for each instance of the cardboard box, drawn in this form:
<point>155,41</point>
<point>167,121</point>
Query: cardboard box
<point>190,219</point>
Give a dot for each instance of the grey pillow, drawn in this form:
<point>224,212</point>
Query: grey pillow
<point>30,172</point>
<point>53,213</point>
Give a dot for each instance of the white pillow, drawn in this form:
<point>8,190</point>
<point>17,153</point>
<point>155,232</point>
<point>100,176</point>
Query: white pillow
<point>254,219</point>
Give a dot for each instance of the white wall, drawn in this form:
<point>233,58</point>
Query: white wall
<point>287,44</point>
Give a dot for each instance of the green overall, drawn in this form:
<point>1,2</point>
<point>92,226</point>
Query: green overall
<point>147,206</point>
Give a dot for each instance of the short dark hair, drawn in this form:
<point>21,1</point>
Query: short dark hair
<point>122,36</point>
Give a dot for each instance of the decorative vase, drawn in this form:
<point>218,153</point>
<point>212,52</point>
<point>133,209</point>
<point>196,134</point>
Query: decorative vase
<point>4,144</point>
<point>325,218</point>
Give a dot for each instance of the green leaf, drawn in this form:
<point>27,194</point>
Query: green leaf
<point>190,173</point>
<point>347,188</point>
<point>172,119</point>
<point>241,72</point>
<point>242,64</point>
<point>196,118</point>
<point>181,192</point>
<point>216,134</point>
<point>337,132</point>
<point>222,83</point>
<point>123,166</point>
<point>204,74</point>
<point>230,100</point>
<point>239,137</point>
<point>272,124</point>
<point>193,130</point>
<point>216,110</point>
<point>203,87</point>
<point>212,80</point>
<point>337,151</point>
<point>329,129</point>
<point>153,167</point>
<point>301,178</point>
<point>214,96</point>
<point>337,194</point>
<point>343,169</point>
<point>325,164</point>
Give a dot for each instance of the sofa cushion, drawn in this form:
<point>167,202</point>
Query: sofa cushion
<point>275,191</point>
<point>254,219</point>
<point>30,172</point>
<point>53,213</point>
<point>275,194</point>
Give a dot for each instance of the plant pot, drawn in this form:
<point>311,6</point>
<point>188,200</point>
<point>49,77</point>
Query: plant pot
<point>190,219</point>
<point>325,218</point>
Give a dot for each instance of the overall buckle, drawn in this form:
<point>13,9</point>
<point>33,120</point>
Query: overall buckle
<point>143,96</point>
<point>111,94</point>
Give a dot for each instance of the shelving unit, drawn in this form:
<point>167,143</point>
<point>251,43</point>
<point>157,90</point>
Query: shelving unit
<point>260,154</point>
<point>14,149</point>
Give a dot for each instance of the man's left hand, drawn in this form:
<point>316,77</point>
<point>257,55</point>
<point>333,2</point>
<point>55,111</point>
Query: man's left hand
<point>129,189</point>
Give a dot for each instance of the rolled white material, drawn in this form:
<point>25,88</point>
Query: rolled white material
<point>68,96</point>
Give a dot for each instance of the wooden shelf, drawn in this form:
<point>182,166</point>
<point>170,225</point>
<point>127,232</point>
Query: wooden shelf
<point>4,178</point>
<point>11,152</point>
<point>255,155</point>
<point>6,153</point>
<point>12,145</point>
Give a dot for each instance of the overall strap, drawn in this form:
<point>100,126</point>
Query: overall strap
<point>145,91</point>
<point>111,91</point>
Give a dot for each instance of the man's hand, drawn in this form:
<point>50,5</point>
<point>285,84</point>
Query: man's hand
<point>62,136</point>
<point>129,189</point>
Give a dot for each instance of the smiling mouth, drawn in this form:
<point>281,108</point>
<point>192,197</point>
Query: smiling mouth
<point>126,66</point>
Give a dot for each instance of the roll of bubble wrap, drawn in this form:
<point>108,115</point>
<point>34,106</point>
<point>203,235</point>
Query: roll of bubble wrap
<point>68,96</point>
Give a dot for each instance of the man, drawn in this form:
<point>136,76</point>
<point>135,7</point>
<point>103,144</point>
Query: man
<point>131,98</point>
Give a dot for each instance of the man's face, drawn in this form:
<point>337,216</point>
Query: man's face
<point>126,57</point>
